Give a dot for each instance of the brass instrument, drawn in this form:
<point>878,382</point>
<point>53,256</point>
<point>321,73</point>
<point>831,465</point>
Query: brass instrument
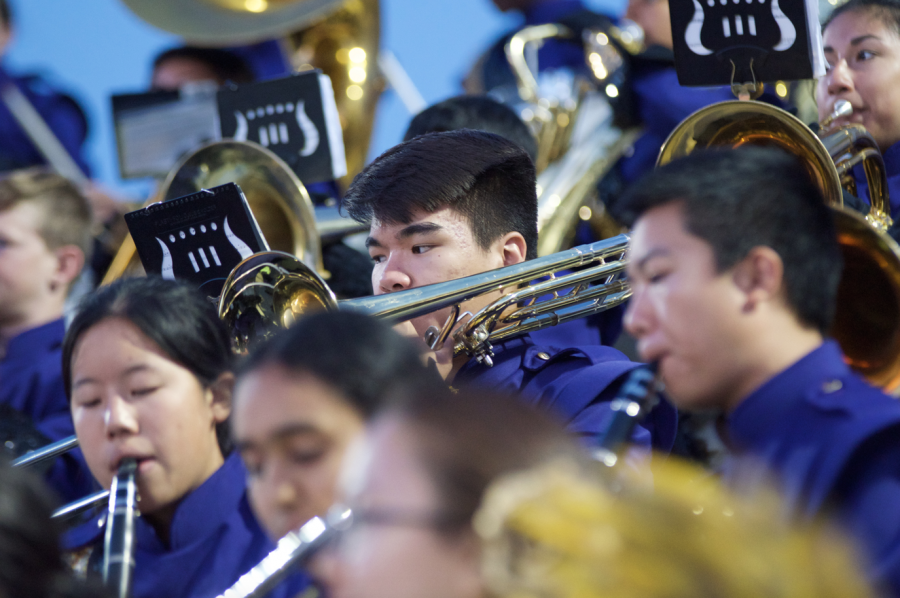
<point>341,37</point>
<point>278,199</point>
<point>867,320</point>
<point>577,140</point>
<point>269,290</point>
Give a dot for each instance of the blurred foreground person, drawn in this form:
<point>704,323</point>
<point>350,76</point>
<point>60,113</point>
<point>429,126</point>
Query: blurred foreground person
<point>45,238</point>
<point>734,294</point>
<point>302,399</point>
<point>414,486</point>
<point>31,563</point>
<point>444,206</point>
<point>675,533</point>
<point>147,367</point>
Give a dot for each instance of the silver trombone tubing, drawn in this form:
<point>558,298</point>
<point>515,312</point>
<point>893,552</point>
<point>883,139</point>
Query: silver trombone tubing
<point>46,452</point>
<point>81,505</point>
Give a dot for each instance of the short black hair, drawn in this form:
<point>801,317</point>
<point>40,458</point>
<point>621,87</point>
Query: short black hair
<point>738,199</point>
<point>486,178</point>
<point>174,315</point>
<point>481,113</point>
<point>362,358</point>
<point>887,10</point>
<point>227,66</point>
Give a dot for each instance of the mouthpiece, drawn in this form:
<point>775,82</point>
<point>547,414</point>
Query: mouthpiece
<point>841,108</point>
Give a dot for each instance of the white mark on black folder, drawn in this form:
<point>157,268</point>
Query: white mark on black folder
<point>167,271</point>
<point>236,242</point>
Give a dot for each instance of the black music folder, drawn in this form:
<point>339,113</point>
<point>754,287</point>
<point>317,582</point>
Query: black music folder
<point>199,237</point>
<point>295,117</point>
<point>719,42</point>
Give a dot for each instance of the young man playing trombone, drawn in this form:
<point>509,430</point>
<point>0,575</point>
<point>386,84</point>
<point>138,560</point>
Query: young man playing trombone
<point>448,205</point>
<point>735,265</point>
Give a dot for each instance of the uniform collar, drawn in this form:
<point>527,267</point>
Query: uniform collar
<point>48,337</point>
<point>760,416</point>
<point>202,511</point>
<point>551,11</point>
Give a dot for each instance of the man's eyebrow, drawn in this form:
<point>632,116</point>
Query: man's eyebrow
<point>653,253</point>
<point>418,228</point>
<point>373,242</point>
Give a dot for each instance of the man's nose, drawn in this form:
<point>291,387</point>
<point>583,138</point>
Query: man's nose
<point>638,316</point>
<point>120,417</point>
<point>391,277</point>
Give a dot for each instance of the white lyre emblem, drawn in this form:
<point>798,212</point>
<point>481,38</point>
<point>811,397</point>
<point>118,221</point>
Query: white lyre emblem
<point>274,131</point>
<point>737,23</point>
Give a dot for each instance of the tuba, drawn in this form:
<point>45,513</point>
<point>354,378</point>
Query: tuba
<point>341,37</point>
<point>278,199</point>
<point>867,320</point>
<point>578,140</point>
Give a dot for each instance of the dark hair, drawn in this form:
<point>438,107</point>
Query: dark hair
<point>65,211</point>
<point>484,177</point>
<point>467,440</point>
<point>225,65</point>
<point>31,563</point>
<point>739,199</point>
<point>6,17</point>
<point>474,112</point>
<point>887,10</point>
<point>174,315</point>
<point>361,357</point>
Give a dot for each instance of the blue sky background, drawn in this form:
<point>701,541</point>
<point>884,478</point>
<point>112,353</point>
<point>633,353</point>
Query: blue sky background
<point>95,48</point>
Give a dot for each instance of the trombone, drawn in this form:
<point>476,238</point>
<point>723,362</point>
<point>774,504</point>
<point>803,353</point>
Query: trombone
<point>270,290</point>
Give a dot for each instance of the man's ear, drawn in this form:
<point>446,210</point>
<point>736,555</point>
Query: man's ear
<point>760,276</point>
<point>514,248</point>
<point>69,263</point>
<point>219,395</point>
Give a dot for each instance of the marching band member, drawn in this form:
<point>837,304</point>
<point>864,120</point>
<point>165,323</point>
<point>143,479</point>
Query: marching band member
<point>61,113</point>
<point>147,369</point>
<point>302,399</point>
<point>447,205</point>
<point>45,236</point>
<point>414,486</point>
<point>862,52</point>
<point>735,265</point>
<point>485,114</point>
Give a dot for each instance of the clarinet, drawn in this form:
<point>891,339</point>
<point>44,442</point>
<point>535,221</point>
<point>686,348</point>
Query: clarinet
<point>119,542</point>
<point>637,397</point>
<point>293,550</point>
